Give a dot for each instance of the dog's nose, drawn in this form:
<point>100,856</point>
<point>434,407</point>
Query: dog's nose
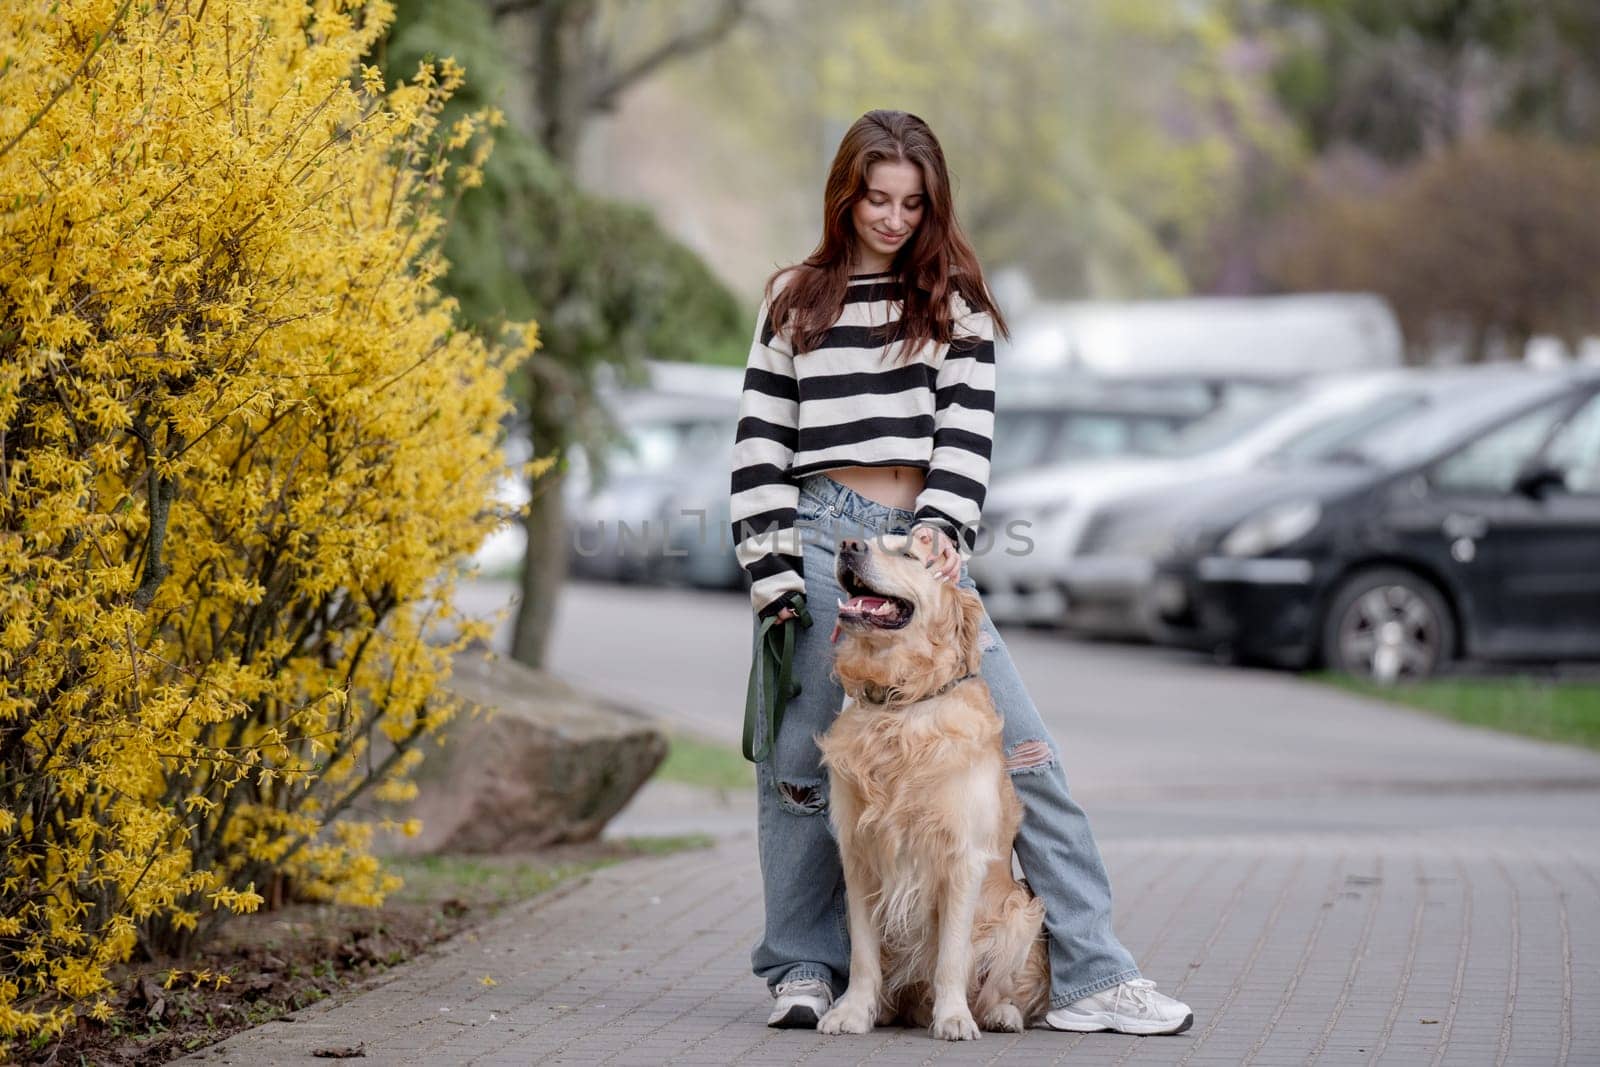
<point>853,545</point>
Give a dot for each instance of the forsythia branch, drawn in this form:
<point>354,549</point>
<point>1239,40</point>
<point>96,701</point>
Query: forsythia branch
<point>61,90</point>
<point>161,490</point>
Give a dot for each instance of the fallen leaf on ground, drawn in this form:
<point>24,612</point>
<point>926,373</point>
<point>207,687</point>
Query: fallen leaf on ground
<point>346,1052</point>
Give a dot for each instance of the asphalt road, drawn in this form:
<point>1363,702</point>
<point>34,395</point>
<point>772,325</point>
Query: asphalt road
<point>1155,741</point>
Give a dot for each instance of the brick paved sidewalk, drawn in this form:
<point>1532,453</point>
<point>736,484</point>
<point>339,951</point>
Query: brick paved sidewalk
<point>1336,948</point>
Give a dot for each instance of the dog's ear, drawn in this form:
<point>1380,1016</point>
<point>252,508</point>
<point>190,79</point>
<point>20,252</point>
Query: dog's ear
<point>969,628</point>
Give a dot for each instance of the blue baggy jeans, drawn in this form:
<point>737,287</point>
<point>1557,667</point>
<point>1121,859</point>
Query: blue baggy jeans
<point>807,934</point>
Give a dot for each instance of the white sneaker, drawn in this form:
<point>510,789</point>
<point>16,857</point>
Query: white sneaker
<point>800,1004</point>
<point>1134,1007</point>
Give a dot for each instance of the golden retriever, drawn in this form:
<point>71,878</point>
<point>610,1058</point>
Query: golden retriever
<point>924,809</point>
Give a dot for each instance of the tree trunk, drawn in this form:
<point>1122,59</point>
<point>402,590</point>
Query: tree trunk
<point>544,568</point>
<point>1478,342</point>
<point>560,86</point>
<point>559,29</point>
<point>572,77</point>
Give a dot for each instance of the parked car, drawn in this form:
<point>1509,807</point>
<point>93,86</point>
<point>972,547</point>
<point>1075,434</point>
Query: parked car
<point>1061,421</point>
<point>699,525</point>
<point>1051,583</point>
<point>672,401</point>
<point>618,527</point>
<point>1470,530</point>
<point>1077,420</point>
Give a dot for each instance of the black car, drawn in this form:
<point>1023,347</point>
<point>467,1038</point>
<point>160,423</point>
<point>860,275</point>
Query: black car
<point>1472,531</point>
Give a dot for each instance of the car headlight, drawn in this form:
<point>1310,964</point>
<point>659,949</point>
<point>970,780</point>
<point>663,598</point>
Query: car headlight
<point>1272,528</point>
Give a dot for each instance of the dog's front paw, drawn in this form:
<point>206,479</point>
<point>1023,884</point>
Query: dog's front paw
<point>956,1025</point>
<point>849,1015</point>
<point>1006,1018</point>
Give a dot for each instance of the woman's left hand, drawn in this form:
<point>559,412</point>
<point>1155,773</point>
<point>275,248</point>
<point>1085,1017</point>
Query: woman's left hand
<point>942,555</point>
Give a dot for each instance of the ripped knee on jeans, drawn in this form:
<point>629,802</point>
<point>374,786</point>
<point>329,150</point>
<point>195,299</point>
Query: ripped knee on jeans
<point>802,797</point>
<point>1025,756</point>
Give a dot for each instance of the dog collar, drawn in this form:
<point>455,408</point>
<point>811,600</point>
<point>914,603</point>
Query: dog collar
<point>872,693</point>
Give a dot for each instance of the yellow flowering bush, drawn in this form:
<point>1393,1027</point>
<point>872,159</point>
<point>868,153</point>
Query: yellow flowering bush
<point>242,449</point>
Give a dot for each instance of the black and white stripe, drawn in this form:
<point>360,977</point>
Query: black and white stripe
<point>855,400</point>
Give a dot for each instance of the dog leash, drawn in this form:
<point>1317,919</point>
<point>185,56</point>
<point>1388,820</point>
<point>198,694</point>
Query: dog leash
<point>771,670</point>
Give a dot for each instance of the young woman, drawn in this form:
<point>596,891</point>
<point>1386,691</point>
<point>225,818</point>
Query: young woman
<point>871,409</point>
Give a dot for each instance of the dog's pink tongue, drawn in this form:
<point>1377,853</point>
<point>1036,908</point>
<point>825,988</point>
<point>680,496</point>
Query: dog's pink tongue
<point>833,638</point>
<point>856,607</point>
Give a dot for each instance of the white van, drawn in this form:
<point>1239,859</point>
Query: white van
<point>1205,338</point>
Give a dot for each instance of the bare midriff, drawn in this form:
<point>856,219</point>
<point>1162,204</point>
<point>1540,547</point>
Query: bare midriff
<point>895,486</point>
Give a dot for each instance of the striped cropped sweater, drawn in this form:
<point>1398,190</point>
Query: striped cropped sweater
<point>856,400</point>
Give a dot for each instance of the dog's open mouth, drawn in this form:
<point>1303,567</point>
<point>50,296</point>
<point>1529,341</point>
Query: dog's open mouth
<point>868,606</point>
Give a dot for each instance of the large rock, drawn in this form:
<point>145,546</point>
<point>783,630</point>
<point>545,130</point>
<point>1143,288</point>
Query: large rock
<point>541,763</point>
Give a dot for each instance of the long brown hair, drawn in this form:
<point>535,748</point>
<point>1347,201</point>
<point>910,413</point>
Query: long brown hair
<point>936,260</point>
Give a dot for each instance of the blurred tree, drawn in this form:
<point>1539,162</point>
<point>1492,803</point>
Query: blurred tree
<point>1398,78</point>
<point>579,70</point>
<point>1483,245</point>
<point>1100,145</point>
<point>606,283</point>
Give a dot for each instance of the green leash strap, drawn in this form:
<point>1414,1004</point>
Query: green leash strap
<point>771,671</point>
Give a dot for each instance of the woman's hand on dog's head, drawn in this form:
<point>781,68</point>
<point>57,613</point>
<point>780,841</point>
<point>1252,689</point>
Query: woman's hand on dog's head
<point>942,554</point>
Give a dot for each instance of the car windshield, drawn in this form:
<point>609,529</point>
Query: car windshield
<point>1245,393</point>
<point>1021,439</point>
<point>1092,434</point>
<point>1229,423</point>
<point>1431,423</point>
<point>1032,438</point>
<point>1328,438</point>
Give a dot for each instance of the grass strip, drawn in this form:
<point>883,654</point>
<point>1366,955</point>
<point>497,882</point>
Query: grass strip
<point>694,760</point>
<point>489,880</point>
<point>1567,712</point>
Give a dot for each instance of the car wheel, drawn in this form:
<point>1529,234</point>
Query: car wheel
<point>1388,625</point>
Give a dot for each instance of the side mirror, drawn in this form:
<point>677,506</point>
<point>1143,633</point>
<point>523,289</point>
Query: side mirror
<point>1535,480</point>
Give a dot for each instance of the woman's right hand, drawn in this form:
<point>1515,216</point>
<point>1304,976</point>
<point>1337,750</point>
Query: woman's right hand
<point>785,615</point>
